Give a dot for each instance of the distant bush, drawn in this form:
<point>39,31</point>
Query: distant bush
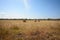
<point>49,19</point>
<point>38,20</point>
<point>35,20</point>
<point>24,20</point>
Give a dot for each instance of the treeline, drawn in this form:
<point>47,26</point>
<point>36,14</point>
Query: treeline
<point>30,19</point>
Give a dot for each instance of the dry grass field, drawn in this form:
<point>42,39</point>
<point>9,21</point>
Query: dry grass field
<point>29,30</point>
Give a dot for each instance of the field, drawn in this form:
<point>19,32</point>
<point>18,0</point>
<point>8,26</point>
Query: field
<point>29,29</point>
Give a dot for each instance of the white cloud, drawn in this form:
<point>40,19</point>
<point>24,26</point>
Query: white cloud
<point>11,15</point>
<point>26,4</point>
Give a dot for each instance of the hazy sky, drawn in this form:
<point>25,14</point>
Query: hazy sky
<point>29,8</point>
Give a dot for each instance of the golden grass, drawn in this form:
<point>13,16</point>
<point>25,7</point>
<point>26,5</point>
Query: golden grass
<point>29,30</point>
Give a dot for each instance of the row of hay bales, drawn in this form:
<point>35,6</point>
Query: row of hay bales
<point>35,20</point>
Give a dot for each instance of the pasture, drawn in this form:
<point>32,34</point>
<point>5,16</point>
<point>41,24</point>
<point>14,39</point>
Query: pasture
<point>29,29</point>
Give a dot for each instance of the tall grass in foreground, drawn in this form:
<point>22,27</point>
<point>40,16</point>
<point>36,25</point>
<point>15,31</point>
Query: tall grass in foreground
<point>4,33</point>
<point>16,33</point>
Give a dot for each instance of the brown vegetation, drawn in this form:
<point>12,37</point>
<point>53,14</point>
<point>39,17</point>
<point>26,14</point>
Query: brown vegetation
<point>30,30</point>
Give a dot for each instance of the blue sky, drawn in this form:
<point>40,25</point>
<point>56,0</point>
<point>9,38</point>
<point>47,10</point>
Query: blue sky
<point>29,8</point>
